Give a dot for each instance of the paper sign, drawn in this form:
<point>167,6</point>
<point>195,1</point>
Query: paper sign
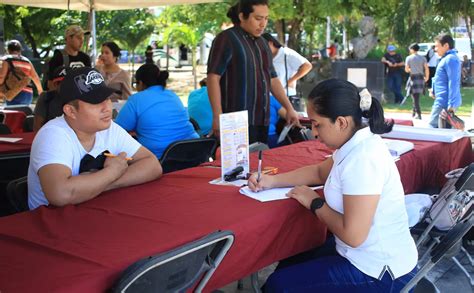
<point>234,134</point>
<point>358,76</point>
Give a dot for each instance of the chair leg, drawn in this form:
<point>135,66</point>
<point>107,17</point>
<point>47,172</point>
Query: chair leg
<point>240,284</point>
<point>463,269</point>
<point>254,281</point>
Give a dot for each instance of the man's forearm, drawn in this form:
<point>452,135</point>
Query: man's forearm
<point>214,93</point>
<point>144,170</point>
<point>302,71</point>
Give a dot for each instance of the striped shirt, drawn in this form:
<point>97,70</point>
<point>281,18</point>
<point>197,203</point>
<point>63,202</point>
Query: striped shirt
<point>245,65</point>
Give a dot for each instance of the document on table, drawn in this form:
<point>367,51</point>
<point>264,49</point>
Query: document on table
<point>270,194</point>
<point>10,139</point>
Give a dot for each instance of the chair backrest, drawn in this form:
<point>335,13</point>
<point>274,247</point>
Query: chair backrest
<point>17,194</point>
<point>442,248</point>
<point>187,153</point>
<point>28,123</point>
<point>4,129</point>
<point>178,270</point>
<point>25,109</point>
<point>195,124</point>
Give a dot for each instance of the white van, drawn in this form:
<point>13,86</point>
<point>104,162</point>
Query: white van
<point>463,47</point>
<point>424,48</point>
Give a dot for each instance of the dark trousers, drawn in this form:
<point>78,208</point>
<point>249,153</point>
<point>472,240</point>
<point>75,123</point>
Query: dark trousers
<point>324,270</point>
<point>258,133</point>
<point>394,84</point>
<point>432,73</point>
<point>416,106</point>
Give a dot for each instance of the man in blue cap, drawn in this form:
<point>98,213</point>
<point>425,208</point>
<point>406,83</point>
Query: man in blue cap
<point>393,69</point>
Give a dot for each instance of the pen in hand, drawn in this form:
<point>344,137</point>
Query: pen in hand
<point>112,156</point>
<point>259,165</point>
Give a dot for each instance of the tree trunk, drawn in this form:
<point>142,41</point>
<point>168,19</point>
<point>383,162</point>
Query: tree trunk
<point>193,51</point>
<point>280,29</point>
<point>29,36</point>
<point>293,38</point>
<point>468,20</point>
<point>167,56</point>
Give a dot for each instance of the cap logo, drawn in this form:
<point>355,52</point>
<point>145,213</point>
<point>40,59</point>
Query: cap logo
<point>62,72</point>
<point>93,77</point>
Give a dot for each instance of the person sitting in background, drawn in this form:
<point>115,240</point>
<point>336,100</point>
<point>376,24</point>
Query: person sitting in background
<point>276,112</point>
<point>49,105</point>
<point>199,108</point>
<point>76,157</point>
<point>156,114</point>
<point>15,59</point>
<point>364,205</point>
<point>115,77</point>
<point>466,68</point>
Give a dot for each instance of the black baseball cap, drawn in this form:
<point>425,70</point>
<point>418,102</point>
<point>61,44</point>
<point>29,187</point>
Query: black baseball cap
<point>59,73</point>
<point>85,84</point>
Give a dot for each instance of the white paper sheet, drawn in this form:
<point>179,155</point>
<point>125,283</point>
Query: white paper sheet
<point>10,139</point>
<point>270,194</point>
<point>428,134</point>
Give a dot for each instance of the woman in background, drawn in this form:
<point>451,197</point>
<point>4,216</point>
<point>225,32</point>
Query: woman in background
<point>115,77</point>
<point>156,114</point>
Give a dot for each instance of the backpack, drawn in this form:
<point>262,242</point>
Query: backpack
<point>15,81</point>
<point>450,214</point>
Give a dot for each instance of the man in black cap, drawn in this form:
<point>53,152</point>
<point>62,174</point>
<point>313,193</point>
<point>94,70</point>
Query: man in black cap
<point>79,155</point>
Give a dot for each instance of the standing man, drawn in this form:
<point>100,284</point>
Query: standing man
<point>71,55</point>
<point>16,60</point>
<point>394,65</point>
<point>446,90</point>
<point>433,60</point>
<point>240,73</point>
<point>289,65</point>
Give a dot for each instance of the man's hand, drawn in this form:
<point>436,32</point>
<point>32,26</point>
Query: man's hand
<point>292,83</point>
<point>117,165</point>
<point>451,110</point>
<point>430,91</point>
<point>293,118</point>
<point>215,131</point>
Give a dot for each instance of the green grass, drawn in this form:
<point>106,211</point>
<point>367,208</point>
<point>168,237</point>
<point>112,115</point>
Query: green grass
<point>426,102</point>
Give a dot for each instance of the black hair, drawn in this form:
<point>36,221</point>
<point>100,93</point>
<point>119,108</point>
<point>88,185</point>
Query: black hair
<point>414,47</point>
<point>445,38</point>
<point>113,47</point>
<point>203,82</point>
<point>270,38</point>
<point>246,6</point>
<point>336,97</point>
<point>151,75</point>
<point>14,46</point>
<point>233,14</point>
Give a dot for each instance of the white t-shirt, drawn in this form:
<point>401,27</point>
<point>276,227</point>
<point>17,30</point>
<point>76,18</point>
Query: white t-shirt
<point>57,143</point>
<point>293,63</point>
<point>364,166</point>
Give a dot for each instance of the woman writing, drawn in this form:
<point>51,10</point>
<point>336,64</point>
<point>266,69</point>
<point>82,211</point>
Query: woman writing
<point>363,206</point>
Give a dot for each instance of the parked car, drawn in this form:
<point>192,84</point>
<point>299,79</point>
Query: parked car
<point>424,48</point>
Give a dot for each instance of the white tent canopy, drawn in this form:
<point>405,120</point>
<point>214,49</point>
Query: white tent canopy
<point>98,5</point>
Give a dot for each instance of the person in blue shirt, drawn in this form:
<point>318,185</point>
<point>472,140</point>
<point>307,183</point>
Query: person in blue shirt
<point>199,108</point>
<point>446,88</point>
<point>156,114</point>
<point>276,111</point>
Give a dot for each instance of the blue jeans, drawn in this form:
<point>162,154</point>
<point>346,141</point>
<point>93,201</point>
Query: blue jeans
<point>23,98</point>
<point>394,84</point>
<point>330,272</point>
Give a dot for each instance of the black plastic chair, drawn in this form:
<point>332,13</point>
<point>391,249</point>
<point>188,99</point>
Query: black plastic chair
<point>4,129</point>
<point>25,109</point>
<point>178,270</point>
<point>28,123</point>
<point>17,194</point>
<point>187,153</point>
<point>445,247</point>
<point>195,124</point>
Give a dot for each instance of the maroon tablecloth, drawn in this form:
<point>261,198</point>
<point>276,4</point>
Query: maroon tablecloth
<point>424,166</point>
<point>84,248</point>
<point>14,119</point>
<point>21,146</point>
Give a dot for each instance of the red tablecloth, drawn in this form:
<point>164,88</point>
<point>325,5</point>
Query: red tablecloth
<point>84,248</point>
<point>424,166</point>
<point>21,146</point>
<point>14,120</point>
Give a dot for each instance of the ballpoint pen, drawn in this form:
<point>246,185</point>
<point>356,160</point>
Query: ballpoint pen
<point>112,156</point>
<point>259,165</point>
